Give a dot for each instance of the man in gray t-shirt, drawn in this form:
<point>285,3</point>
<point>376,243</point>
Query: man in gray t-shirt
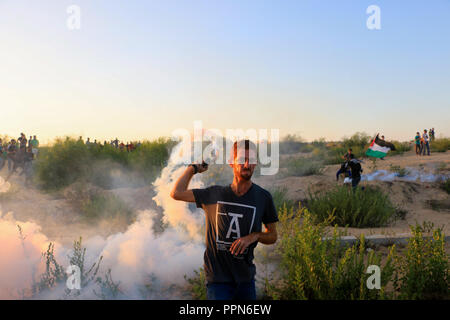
<point>234,217</point>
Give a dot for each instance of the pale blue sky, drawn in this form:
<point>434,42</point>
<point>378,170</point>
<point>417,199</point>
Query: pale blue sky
<point>141,69</point>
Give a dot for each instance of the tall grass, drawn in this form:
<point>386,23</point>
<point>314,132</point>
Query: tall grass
<point>353,208</point>
<point>55,275</point>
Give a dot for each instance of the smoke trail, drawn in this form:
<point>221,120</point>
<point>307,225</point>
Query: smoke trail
<point>177,213</point>
<point>411,175</point>
<point>135,256</point>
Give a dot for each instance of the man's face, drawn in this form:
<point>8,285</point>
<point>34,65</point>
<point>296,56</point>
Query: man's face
<point>244,164</point>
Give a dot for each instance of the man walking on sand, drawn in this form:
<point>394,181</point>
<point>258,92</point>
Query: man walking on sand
<point>234,217</point>
<point>426,143</point>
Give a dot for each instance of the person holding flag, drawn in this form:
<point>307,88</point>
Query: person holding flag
<point>379,148</point>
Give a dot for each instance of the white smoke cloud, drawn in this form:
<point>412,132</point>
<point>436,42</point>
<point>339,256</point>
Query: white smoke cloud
<point>177,213</point>
<point>411,175</point>
<point>20,256</point>
<point>4,185</point>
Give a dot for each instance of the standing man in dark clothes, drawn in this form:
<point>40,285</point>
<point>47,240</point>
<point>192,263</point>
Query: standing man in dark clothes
<point>28,166</point>
<point>23,143</point>
<point>344,165</point>
<point>11,154</point>
<point>355,166</point>
<point>234,217</point>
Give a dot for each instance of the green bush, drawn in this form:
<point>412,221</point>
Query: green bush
<point>69,160</point>
<point>359,140</point>
<point>300,167</point>
<point>400,147</point>
<point>353,208</point>
<point>106,206</point>
<point>280,198</point>
<point>424,271</point>
<point>440,145</point>
<point>315,267</point>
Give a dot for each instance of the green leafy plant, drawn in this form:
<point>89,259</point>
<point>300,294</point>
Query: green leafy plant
<point>423,273</point>
<point>315,266</point>
<point>197,284</point>
<point>353,208</point>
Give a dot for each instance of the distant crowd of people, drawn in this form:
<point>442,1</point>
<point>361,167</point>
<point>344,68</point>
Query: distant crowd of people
<point>422,142</point>
<point>129,146</point>
<point>19,153</point>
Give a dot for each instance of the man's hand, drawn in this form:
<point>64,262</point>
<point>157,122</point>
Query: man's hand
<point>180,190</point>
<point>269,236</point>
<point>202,167</point>
<point>239,245</point>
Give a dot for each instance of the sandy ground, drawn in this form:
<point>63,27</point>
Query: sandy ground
<point>412,196</point>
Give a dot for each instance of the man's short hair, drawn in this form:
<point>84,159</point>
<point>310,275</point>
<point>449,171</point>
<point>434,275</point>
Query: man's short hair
<point>247,144</point>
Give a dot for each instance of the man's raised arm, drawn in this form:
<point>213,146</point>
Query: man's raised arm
<point>180,190</point>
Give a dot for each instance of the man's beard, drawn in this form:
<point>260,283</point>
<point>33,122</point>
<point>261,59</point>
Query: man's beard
<point>246,175</point>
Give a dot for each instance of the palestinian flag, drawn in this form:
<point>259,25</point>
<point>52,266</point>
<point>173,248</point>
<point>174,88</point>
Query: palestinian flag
<point>379,148</point>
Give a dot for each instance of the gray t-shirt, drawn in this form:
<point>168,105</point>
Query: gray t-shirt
<point>229,217</point>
